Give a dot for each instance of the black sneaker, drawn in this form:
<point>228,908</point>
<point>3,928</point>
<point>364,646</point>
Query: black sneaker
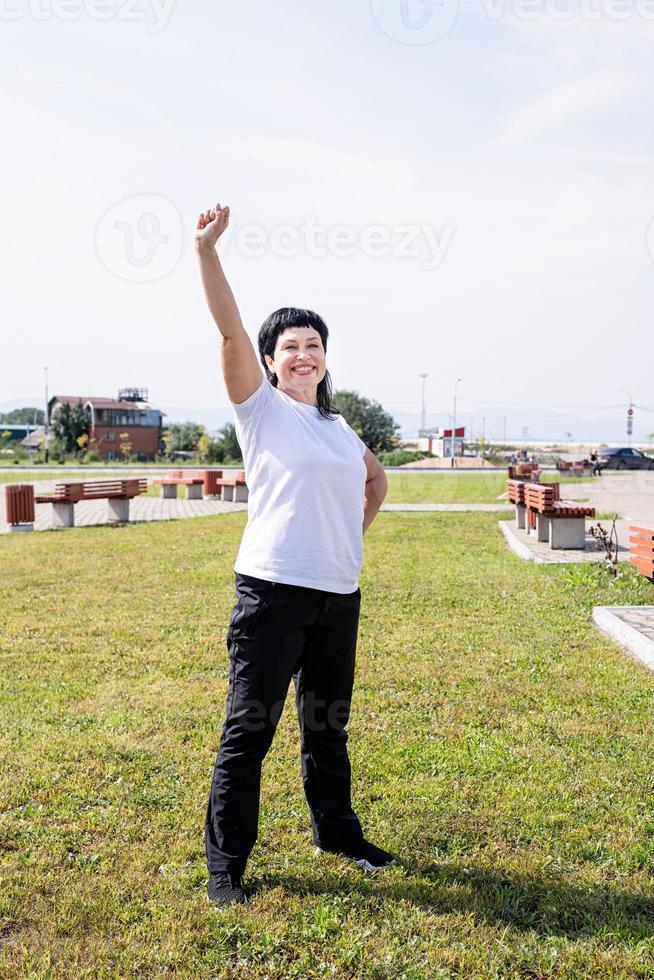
<point>365,854</point>
<point>226,889</point>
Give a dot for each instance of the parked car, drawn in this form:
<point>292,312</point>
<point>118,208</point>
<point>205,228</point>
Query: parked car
<point>624,459</point>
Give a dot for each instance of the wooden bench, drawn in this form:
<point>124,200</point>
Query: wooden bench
<point>540,512</point>
<point>191,479</point>
<point>515,492</point>
<point>524,471</point>
<point>117,493</point>
<point>577,468</point>
<point>641,549</point>
<point>233,489</point>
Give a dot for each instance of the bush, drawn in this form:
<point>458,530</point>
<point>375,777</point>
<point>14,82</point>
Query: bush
<point>398,457</point>
<point>92,456</point>
<point>56,452</point>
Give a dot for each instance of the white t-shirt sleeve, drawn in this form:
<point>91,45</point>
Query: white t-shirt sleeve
<point>360,443</point>
<point>244,411</point>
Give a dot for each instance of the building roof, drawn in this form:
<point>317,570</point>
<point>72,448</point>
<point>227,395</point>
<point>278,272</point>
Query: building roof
<point>98,402</point>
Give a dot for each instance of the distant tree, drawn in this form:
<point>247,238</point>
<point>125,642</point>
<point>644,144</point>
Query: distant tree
<point>204,443</point>
<point>650,437</point>
<point>165,442</point>
<point>215,452</point>
<point>22,416</point>
<point>183,437</point>
<point>125,444</point>
<point>228,442</point>
<point>68,424</point>
<point>370,421</point>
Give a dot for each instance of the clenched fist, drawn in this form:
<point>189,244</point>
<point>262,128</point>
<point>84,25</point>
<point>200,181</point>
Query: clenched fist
<point>211,224</point>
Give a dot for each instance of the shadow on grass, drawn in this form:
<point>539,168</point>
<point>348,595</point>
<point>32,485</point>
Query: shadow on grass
<point>546,906</point>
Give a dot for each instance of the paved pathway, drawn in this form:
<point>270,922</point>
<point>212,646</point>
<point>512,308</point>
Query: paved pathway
<point>526,546</point>
<point>629,494</point>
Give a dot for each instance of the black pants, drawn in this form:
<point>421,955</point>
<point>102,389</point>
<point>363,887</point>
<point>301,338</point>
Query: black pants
<point>278,632</point>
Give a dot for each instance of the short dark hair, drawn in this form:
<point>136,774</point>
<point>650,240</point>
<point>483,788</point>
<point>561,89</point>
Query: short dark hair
<point>276,324</point>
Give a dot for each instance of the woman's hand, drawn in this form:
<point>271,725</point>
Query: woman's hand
<point>211,224</point>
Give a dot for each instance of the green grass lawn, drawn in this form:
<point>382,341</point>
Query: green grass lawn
<point>499,745</point>
<point>456,488</point>
<point>16,475</point>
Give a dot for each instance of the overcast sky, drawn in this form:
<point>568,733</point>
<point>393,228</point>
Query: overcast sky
<point>463,190</point>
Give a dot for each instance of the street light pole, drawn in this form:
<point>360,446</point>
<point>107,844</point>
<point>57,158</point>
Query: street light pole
<point>46,402</point>
<point>423,409</point>
<point>630,413</point>
<point>454,420</point>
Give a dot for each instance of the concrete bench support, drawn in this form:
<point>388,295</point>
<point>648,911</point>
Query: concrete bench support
<point>63,514</point>
<point>169,491</point>
<point>520,517</point>
<point>117,510</point>
<point>236,494</point>
<point>194,491</point>
<point>567,532</point>
<point>543,522</point>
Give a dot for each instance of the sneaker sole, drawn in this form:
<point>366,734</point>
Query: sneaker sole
<point>361,862</point>
<point>225,905</point>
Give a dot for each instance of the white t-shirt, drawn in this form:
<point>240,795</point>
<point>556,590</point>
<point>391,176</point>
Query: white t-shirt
<point>306,479</point>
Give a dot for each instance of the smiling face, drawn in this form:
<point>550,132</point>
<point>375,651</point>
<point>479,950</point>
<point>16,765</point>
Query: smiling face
<point>299,361</point>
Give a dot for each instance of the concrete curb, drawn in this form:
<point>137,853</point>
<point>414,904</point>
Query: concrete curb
<point>520,549</point>
<point>630,639</point>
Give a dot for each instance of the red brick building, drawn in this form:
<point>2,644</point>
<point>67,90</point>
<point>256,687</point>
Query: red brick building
<point>111,418</point>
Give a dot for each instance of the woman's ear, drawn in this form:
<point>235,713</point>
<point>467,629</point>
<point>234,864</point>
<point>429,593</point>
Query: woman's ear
<point>269,362</point>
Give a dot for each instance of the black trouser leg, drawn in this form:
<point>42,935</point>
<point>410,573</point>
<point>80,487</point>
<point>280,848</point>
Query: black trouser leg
<point>264,651</point>
<point>323,695</point>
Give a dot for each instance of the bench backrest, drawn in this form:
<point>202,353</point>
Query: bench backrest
<point>541,496</point>
<point>515,491</point>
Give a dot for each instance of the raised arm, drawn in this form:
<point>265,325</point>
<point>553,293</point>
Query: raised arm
<point>241,369</point>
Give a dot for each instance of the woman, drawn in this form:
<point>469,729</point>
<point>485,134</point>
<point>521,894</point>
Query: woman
<point>314,489</point>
